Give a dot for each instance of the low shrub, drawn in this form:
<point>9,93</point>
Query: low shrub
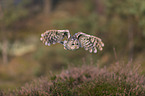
<point>87,80</point>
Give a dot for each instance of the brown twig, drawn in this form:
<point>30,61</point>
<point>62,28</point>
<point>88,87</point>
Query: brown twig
<point>115,54</point>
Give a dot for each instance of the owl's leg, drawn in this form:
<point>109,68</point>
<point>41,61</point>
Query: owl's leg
<point>62,42</point>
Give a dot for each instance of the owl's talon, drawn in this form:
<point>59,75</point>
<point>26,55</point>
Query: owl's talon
<point>64,48</point>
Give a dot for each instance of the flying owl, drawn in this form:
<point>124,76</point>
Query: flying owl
<point>80,39</point>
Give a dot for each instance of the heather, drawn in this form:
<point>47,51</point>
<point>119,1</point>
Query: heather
<point>122,80</point>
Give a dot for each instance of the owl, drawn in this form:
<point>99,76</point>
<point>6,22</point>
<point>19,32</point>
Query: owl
<point>80,39</point>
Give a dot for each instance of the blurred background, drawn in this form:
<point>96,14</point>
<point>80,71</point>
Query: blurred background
<point>119,23</point>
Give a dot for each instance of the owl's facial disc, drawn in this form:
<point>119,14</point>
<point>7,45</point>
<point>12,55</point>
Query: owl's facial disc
<point>72,45</point>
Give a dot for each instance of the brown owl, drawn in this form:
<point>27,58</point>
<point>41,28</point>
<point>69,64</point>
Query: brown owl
<point>80,39</point>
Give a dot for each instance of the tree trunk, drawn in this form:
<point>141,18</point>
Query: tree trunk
<point>4,51</point>
<point>47,7</point>
<point>99,7</point>
<point>4,38</point>
<point>131,40</point>
<point>4,44</point>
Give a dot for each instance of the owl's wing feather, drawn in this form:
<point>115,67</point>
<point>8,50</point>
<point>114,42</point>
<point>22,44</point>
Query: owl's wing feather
<point>54,36</point>
<point>89,42</point>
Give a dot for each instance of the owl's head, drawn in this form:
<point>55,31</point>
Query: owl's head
<point>71,44</point>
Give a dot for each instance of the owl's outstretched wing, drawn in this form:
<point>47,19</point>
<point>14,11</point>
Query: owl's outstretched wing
<point>54,36</point>
<point>89,42</point>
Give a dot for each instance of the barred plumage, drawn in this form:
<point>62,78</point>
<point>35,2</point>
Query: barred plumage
<point>80,39</point>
